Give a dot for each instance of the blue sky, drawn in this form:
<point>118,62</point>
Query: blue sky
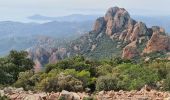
<point>16,9</point>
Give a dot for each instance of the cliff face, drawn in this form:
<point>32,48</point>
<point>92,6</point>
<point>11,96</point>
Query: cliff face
<point>159,41</point>
<point>42,56</point>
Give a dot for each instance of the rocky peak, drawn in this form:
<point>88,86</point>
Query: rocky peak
<point>116,12</point>
<point>117,19</point>
<point>117,24</point>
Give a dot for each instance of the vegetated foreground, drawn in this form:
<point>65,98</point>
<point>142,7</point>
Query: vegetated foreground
<point>80,75</point>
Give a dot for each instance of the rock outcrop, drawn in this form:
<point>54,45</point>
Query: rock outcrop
<point>118,25</point>
<point>99,25</point>
<point>159,41</point>
<point>42,56</point>
<point>130,51</point>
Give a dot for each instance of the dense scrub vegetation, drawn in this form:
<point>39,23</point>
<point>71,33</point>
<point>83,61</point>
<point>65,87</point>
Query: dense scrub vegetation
<point>80,74</point>
<point>12,65</point>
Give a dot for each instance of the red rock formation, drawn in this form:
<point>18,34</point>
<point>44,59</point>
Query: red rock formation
<point>158,42</point>
<point>135,32</point>
<point>117,19</point>
<point>99,25</point>
<point>130,51</point>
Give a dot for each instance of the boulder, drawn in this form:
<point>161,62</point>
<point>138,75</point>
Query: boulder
<point>2,93</point>
<point>54,96</point>
<point>76,96</point>
<point>69,95</point>
<point>32,97</point>
<point>8,90</point>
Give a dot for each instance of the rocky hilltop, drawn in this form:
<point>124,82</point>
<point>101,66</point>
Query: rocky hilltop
<point>131,38</point>
<point>115,34</point>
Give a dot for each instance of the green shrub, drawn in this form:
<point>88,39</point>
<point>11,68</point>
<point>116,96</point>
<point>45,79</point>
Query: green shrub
<point>23,80</point>
<point>132,77</point>
<point>69,83</point>
<point>89,98</point>
<point>106,83</point>
<point>166,83</point>
<point>12,65</point>
<point>104,69</point>
<point>161,67</point>
<point>4,98</point>
<point>84,76</point>
<point>59,83</point>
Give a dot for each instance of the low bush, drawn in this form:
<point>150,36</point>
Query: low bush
<point>106,83</point>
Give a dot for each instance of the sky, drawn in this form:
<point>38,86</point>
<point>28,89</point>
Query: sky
<point>18,9</point>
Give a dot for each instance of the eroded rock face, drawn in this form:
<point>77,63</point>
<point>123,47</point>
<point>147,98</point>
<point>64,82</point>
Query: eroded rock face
<point>136,31</point>
<point>130,51</point>
<point>119,26</point>
<point>42,56</point>
<point>39,55</point>
<point>158,42</point>
<point>99,25</point>
<point>117,19</point>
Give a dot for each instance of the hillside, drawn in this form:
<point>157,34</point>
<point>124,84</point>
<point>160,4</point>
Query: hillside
<point>54,28</point>
<point>114,35</point>
<point>117,34</point>
<point>20,36</point>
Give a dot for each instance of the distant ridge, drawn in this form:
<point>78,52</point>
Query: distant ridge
<point>69,18</point>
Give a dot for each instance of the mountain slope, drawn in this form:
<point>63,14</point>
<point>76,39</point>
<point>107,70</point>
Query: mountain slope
<point>116,34</point>
<point>54,28</point>
<point>20,36</point>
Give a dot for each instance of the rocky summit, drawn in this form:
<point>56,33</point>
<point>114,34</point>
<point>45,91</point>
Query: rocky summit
<point>115,34</point>
<point>129,38</point>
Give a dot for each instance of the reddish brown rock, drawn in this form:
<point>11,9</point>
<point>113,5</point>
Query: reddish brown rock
<point>99,25</point>
<point>54,96</point>
<point>139,30</point>
<point>117,19</point>
<point>158,42</point>
<point>130,51</point>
